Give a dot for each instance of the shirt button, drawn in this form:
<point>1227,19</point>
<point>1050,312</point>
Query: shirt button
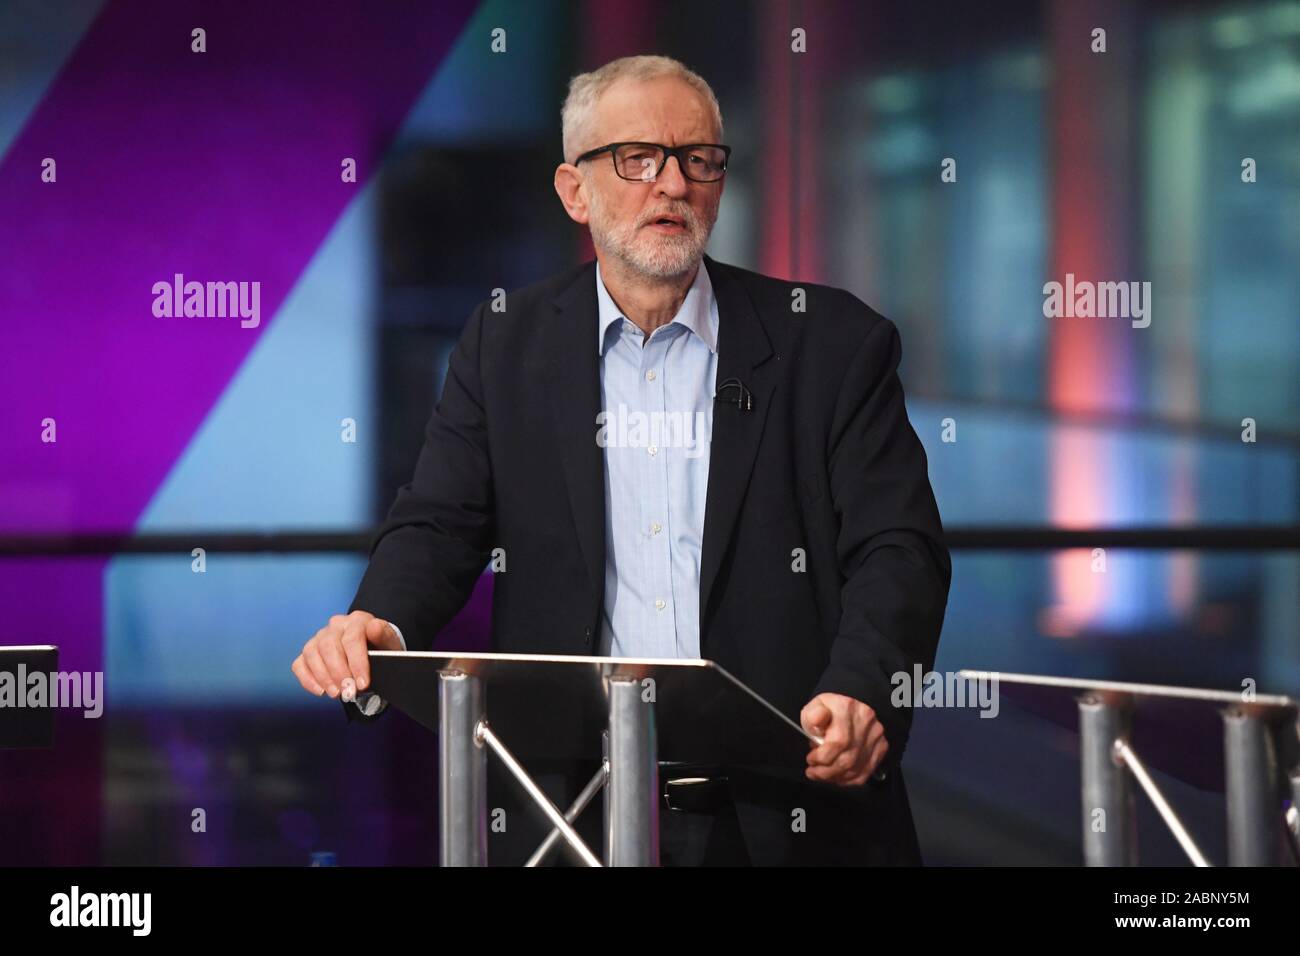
<point>654,450</point>
<point>650,375</point>
<point>659,604</point>
<point>656,527</point>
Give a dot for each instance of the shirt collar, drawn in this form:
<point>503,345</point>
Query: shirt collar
<point>698,311</point>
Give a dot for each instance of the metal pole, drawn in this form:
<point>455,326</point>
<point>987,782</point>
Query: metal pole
<point>632,795</point>
<point>462,768</point>
<point>1109,810</point>
<point>1251,771</point>
<point>1292,823</point>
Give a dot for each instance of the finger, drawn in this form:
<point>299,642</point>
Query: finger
<point>826,754</point>
<point>821,756</point>
<point>849,762</point>
<point>860,752</point>
<point>330,647</point>
<point>304,675</point>
<point>840,733</point>
<point>866,746</point>
<point>316,665</point>
<point>845,762</point>
<point>835,740</point>
<point>845,767</point>
<point>354,647</point>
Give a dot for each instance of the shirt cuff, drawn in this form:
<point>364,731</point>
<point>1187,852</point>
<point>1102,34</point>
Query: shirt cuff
<point>398,631</point>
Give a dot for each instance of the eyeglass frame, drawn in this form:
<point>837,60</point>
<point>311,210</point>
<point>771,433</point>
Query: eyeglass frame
<point>664,153</point>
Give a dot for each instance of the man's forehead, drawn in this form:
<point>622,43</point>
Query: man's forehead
<point>631,111</point>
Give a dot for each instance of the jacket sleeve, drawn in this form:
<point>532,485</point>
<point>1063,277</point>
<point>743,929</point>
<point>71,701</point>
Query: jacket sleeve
<point>436,540</point>
<point>894,563</point>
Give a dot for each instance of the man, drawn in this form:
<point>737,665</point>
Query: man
<point>785,528</point>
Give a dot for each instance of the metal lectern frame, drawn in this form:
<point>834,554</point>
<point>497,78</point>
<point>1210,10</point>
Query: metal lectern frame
<point>556,705</point>
<point>629,769</point>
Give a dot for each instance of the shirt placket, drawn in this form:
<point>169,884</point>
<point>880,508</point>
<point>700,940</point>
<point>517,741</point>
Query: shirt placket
<point>654,515</point>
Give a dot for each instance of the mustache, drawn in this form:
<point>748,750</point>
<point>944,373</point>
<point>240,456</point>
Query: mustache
<point>687,217</point>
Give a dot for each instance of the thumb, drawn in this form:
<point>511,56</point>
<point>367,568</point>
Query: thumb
<point>815,716</point>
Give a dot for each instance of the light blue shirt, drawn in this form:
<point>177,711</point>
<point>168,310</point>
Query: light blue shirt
<point>657,419</point>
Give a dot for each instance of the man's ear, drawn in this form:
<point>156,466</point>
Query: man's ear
<point>569,186</point>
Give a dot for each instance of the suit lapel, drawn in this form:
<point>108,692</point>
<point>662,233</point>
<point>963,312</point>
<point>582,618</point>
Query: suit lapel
<point>573,375</point>
<point>743,352</point>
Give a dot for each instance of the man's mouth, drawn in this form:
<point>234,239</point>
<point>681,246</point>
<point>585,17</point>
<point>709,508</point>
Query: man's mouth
<point>669,223</point>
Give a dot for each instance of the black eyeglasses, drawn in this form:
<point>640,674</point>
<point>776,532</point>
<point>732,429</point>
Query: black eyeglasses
<point>643,162</point>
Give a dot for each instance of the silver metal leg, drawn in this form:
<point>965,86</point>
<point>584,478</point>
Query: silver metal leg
<point>1109,810</point>
<point>1292,822</point>
<point>462,767</point>
<point>1253,806</point>
<point>632,796</point>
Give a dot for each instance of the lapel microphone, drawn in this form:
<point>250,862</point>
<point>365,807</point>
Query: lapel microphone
<point>743,400</point>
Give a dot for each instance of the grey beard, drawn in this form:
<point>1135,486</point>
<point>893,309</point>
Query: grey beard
<point>675,257</point>
<point>665,263</point>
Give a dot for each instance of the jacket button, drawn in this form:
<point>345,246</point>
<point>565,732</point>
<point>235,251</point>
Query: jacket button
<point>586,632</point>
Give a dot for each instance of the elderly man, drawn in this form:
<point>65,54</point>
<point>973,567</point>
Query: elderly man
<point>680,458</point>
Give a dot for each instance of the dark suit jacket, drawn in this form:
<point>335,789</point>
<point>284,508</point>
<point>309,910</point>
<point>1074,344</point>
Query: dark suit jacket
<point>826,461</point>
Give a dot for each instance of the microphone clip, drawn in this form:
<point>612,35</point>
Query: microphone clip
<point>743,400</point>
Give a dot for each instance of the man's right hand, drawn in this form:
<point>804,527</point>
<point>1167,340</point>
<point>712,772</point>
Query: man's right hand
<point>334,661</point>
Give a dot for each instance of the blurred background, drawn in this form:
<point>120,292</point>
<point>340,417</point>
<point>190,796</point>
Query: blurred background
<point>1070,435</point>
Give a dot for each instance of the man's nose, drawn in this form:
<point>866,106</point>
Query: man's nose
<point>671,179</point>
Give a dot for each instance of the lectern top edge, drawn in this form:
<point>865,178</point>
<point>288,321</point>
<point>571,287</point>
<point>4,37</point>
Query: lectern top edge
<point>557,658</point>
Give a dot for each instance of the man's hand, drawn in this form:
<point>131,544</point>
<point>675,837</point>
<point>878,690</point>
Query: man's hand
<point>853,740</point>
<point>334,661</point>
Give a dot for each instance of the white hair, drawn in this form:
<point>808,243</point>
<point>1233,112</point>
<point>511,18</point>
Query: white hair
<point>578,112</point>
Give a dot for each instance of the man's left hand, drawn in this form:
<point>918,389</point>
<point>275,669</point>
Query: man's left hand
<point>853,740</point>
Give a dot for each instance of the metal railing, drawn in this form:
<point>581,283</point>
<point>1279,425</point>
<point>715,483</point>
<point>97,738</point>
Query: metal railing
<point>1261,748</point>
